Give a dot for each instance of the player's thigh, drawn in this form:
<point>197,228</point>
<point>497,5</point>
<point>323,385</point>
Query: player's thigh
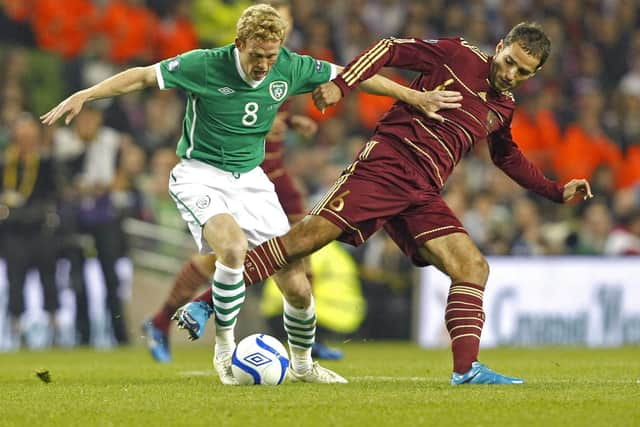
<point>427,219</point>
<point>457,256</point>
<point>431,234</point>
<point>198,191</point>
<point>258,209</point>
<point>202,193</point>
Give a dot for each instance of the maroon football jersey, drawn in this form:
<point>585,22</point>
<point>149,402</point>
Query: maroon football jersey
<point>485,113</point>
<point>273,163</point>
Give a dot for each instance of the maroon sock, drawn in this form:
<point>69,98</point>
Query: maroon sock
<point>187,281</point>
<point>259,264</point>
<point>264,260</point>
<point>464,320</point>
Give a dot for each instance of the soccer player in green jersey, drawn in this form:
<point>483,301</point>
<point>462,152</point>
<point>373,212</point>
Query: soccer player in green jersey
<point>227,201</point>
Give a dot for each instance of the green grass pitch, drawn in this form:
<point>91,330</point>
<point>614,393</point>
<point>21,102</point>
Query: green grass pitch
<point>391,384</point>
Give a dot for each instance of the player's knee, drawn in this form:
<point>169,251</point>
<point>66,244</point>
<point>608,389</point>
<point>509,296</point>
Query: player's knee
<point>295,288</point>
<point>232,253</point>
<point>478,270</point>
<point>474,269</point>
<point>299,300</point>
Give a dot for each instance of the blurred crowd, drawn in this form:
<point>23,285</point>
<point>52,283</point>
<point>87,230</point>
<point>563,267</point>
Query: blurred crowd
<point>66,190</point>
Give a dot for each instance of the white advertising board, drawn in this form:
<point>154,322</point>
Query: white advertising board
<point>544,301</point>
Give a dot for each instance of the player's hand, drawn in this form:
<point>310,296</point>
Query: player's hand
<point>577,187</point>
<point>304,125</point>
<point>326,95</point>
<point>432,101</point>
<point>69,107</point>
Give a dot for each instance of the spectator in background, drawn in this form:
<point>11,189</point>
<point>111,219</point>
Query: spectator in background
<point>215,20</point>
<point>585,140</point>
<point>486,220</point>
<point>131,31</point>
<point>535,126</point>
<point>592,231</point>
<point>64,30</point>
<point>528,238</point>
<point>163,208</point>
<point>11,107</point>
<point>177,33</point>
<point>92,151</point>
<point>624,239</point>
<point>14,22</point>
<point>163,113</point>
<point>28,217</point>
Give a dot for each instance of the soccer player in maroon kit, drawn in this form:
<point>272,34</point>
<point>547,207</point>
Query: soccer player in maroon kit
<point>396,180</point>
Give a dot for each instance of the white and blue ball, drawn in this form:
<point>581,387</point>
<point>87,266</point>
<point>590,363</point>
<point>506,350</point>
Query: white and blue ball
<point>260,359</point>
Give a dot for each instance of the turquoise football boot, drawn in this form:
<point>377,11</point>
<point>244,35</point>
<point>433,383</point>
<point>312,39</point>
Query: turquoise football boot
<point>193,317</point>
<point>481,374</point>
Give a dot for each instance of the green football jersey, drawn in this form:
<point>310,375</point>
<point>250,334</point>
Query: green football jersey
<point>226,117</point>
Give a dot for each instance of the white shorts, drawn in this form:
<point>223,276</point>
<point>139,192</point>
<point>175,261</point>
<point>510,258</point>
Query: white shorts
<point>202,191</point>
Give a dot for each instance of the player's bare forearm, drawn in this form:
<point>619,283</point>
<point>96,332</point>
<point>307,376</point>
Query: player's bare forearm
<point>127,81</point>
<point>429,102</point>
<point>130,80</point>
<point>379,85</point>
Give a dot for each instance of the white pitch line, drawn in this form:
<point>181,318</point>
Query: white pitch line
<point>196,373</point>
<point>382,378</point>
<point>388,379</point>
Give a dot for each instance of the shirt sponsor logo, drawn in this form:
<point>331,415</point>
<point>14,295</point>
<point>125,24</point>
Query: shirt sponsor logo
<point>226,90</point>
<point>278,90</point>
<point>203,202</point>
<point>318,66</point>
<point>173,64</point>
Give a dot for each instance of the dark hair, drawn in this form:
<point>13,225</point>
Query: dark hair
<point>532,38</point>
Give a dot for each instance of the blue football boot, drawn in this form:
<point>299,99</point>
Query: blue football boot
<point>480,374</point>
<point>324,352</point>
<point>157,342</point>
<point>193,317</point>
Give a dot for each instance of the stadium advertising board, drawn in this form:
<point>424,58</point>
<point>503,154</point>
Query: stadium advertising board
<point>544,301</point>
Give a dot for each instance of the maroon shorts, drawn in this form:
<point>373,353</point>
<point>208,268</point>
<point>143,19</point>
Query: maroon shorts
<point>288,194</point>
<point>383,188</point>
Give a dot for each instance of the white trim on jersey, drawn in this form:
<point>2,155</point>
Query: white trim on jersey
<point>334,71</point>
<point>193,127</point>
<point>247,80</point>
<point>159,77</point>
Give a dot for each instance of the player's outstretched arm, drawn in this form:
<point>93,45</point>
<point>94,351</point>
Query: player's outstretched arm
<point>429,102</point>
<point>127,81</point>
<point>575,187</point>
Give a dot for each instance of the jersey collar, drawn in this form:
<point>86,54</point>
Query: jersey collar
<point>252,83</point>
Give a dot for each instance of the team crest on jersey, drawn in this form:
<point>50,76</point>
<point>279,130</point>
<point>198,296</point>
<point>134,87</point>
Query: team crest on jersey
<point>203,202</point>
<point>278,90</point>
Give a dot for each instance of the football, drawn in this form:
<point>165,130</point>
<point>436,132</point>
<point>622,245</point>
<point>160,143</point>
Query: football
<point>260,359</point>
